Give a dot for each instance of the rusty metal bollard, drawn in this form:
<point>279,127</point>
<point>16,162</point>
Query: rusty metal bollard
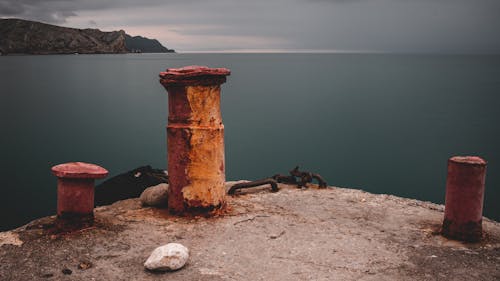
<point>195,139</point>
<point>464,198</point>
<point>75,190</point>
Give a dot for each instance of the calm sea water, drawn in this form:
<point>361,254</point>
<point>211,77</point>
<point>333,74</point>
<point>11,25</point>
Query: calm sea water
<point>381,123</point>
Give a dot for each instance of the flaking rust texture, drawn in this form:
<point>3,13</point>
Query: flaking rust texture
<point>205,157</point>
<point>195,139</point>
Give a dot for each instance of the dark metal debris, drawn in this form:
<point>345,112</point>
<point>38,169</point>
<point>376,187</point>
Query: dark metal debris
<point>66,271</point>
<point>307,177</point>
<point>300,178</point>
<point>273,183</point>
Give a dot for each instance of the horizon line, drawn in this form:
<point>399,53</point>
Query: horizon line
<point>273,51</point>
<point>330,51</point>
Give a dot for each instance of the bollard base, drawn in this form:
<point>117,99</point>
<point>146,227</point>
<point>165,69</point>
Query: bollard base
<point>468,232</point>
<point>67,222</point>
<point>203,211</point>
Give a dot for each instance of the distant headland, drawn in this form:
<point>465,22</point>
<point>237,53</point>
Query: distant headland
<point>19,36</point>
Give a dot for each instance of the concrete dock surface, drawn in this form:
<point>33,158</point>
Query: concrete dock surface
<point>293,234</point>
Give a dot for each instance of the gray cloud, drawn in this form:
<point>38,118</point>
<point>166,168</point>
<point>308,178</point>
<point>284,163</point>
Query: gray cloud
<point>57,11</point>
<point>46,11</point>
<point>378,25</point>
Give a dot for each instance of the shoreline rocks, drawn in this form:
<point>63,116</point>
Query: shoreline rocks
<point>128,185</point>
<point>155,196</point>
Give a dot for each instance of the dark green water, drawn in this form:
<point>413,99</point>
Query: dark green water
<point>381,123</point>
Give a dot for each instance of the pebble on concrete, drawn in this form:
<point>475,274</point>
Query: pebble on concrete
<point>169,257</point>
<point>155,196</point>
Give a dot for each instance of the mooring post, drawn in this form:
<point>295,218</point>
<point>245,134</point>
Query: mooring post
<point>463,211</point>
<point>195,139</point>
<point>75,191</point>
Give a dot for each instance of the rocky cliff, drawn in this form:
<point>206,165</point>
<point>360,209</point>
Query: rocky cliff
<point>139,44</point>
<point>28,37</point>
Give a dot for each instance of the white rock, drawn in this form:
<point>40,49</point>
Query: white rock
<point>167,257</point>
<point>156,195</point>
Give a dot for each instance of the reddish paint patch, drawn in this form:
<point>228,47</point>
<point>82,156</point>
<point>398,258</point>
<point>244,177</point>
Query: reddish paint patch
<point>194,75</point>
<point>193,71</point>
<point>79,170</point>
<point>178,148</point>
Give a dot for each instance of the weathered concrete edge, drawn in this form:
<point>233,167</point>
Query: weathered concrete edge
<point>11,237</point>
<point>410,201</point>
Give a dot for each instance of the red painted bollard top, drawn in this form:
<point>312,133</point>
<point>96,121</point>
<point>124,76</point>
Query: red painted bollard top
<point>79,170</point>
<point>195,139</point>
<point>75,189</point>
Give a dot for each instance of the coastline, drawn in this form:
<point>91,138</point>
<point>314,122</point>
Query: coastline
<point>72,53</point>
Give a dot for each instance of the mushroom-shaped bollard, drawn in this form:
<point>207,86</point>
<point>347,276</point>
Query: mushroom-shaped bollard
<point>195,139</point>
<point>75,190</point>
<point>463,210</point>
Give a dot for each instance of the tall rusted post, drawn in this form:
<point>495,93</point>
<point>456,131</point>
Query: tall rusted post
<point>463,211</point>
<point>195,139</point>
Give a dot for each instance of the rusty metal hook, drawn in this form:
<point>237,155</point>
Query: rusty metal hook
<point>272,182</point>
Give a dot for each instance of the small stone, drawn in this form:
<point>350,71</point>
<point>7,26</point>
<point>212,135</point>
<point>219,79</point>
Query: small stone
<point>67,271</point>
<point>84,265</point>
<point>47,275</point>
<point>155,196</point>
<point>10,238</point>
<point>169,257</point>
<point>276,236</point>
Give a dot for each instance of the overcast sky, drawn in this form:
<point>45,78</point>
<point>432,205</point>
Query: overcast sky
<point>456,26</point>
